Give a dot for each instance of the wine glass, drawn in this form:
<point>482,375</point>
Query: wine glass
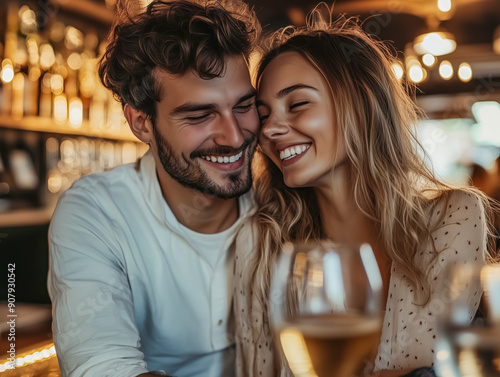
<point>326,308</point>
<point>466,346</point>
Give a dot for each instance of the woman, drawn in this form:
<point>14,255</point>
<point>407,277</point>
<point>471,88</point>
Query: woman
<point>341,162</point>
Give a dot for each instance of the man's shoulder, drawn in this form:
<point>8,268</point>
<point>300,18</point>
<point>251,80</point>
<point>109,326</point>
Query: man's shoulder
<point>108,179</point>
<point>101,190</point>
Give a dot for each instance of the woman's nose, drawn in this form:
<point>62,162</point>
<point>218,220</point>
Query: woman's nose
<point>274,127</point>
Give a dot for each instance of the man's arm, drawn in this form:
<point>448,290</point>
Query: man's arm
<point>93,312</point>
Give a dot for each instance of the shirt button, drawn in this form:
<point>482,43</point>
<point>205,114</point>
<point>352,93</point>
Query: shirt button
<point>220,322</point>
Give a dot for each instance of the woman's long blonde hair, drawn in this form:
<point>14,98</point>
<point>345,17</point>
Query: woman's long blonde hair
<point>392,185</point>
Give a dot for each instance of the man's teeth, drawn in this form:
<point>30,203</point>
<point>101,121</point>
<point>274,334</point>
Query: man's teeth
<point>225,159</point>
<point>291,152</point>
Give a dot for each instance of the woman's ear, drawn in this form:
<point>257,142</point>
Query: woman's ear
<point>139,124</point>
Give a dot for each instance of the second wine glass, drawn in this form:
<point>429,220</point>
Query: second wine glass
<point>469,343</point>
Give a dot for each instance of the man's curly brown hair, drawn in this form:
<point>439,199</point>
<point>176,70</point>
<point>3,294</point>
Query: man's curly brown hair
<point>174,36</point>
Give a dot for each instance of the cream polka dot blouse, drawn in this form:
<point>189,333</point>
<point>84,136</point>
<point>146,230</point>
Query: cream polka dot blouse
<point>409,329</point>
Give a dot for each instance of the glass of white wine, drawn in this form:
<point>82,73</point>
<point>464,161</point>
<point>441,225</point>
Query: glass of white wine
<point>470,347</point>
<point>326,308</point>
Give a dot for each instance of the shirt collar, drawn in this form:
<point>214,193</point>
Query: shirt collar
<point>158,204</point>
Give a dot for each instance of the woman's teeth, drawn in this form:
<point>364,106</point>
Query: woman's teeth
<point>291,152</point>
<point>225,159</point>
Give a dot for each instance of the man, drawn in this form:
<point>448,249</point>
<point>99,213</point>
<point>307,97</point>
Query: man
<point>141,256</point>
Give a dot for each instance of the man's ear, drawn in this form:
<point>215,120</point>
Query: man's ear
<point>139,124</point>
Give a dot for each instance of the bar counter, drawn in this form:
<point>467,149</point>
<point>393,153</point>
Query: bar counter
<point>38,361</point>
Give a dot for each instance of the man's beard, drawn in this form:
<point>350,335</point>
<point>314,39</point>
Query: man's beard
<point>190,174</point>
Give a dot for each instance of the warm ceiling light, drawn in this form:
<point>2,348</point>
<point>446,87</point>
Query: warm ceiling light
<point>436,43</point>
<point>397,69</point>
<point>416,73</point>
<point>446,70</point>
<point>444,5</point>
<point>428,59</point>
<point>465,72</point>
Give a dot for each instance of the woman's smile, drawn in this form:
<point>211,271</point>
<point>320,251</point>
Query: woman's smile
<point>298,121</point>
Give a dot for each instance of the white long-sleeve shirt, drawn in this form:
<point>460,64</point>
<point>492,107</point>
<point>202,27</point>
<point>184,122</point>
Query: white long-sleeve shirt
<point>132,289</point>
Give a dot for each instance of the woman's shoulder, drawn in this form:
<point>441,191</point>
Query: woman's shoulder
<point>452,205</point>
<point>248,227</point>
<point>246,236</point>
<point>458,225</point>
<point>465,196</point>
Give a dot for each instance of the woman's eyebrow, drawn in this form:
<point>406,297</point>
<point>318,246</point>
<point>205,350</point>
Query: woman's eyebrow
<point>289,89</point>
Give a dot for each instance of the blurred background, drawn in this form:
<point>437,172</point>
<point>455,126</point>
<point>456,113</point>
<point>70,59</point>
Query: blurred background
<point>57,123</point>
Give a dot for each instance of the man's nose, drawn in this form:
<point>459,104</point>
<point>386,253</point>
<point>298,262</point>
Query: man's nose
<point>228,132</point>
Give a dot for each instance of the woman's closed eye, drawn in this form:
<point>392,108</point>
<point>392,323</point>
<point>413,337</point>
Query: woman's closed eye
<point>295,105</point>
<point>298,104</point>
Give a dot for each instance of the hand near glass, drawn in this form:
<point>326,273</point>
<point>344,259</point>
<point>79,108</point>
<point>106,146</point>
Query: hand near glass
<point>466,349</point>
<point>326,308</point>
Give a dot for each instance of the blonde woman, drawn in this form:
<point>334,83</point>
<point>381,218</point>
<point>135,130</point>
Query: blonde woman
<point>340,161</point>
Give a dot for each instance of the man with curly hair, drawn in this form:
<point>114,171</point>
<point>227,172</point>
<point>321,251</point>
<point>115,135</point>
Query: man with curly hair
<point>141,257</point>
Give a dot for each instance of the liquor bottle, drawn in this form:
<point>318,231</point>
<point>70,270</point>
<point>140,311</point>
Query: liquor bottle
<point>45,102</point>
<point>6,181</point>
<point>22,166</point>
<point>7,75</point>
<point>8,66</point>
<point>32,85</point>
<point>18,84</point>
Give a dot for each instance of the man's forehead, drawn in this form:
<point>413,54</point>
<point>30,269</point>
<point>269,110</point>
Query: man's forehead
<point>234,81</point>
<point>231,65</point>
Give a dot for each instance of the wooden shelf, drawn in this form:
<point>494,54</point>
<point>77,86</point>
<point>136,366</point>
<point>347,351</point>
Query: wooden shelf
<point>87,8</point>
<point>48,125</point>
<point>27,217</point>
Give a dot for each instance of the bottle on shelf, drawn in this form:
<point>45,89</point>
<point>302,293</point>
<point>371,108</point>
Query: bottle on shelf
<point>49,87</point>
<point>6,76</point>
<point>22,166</point>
